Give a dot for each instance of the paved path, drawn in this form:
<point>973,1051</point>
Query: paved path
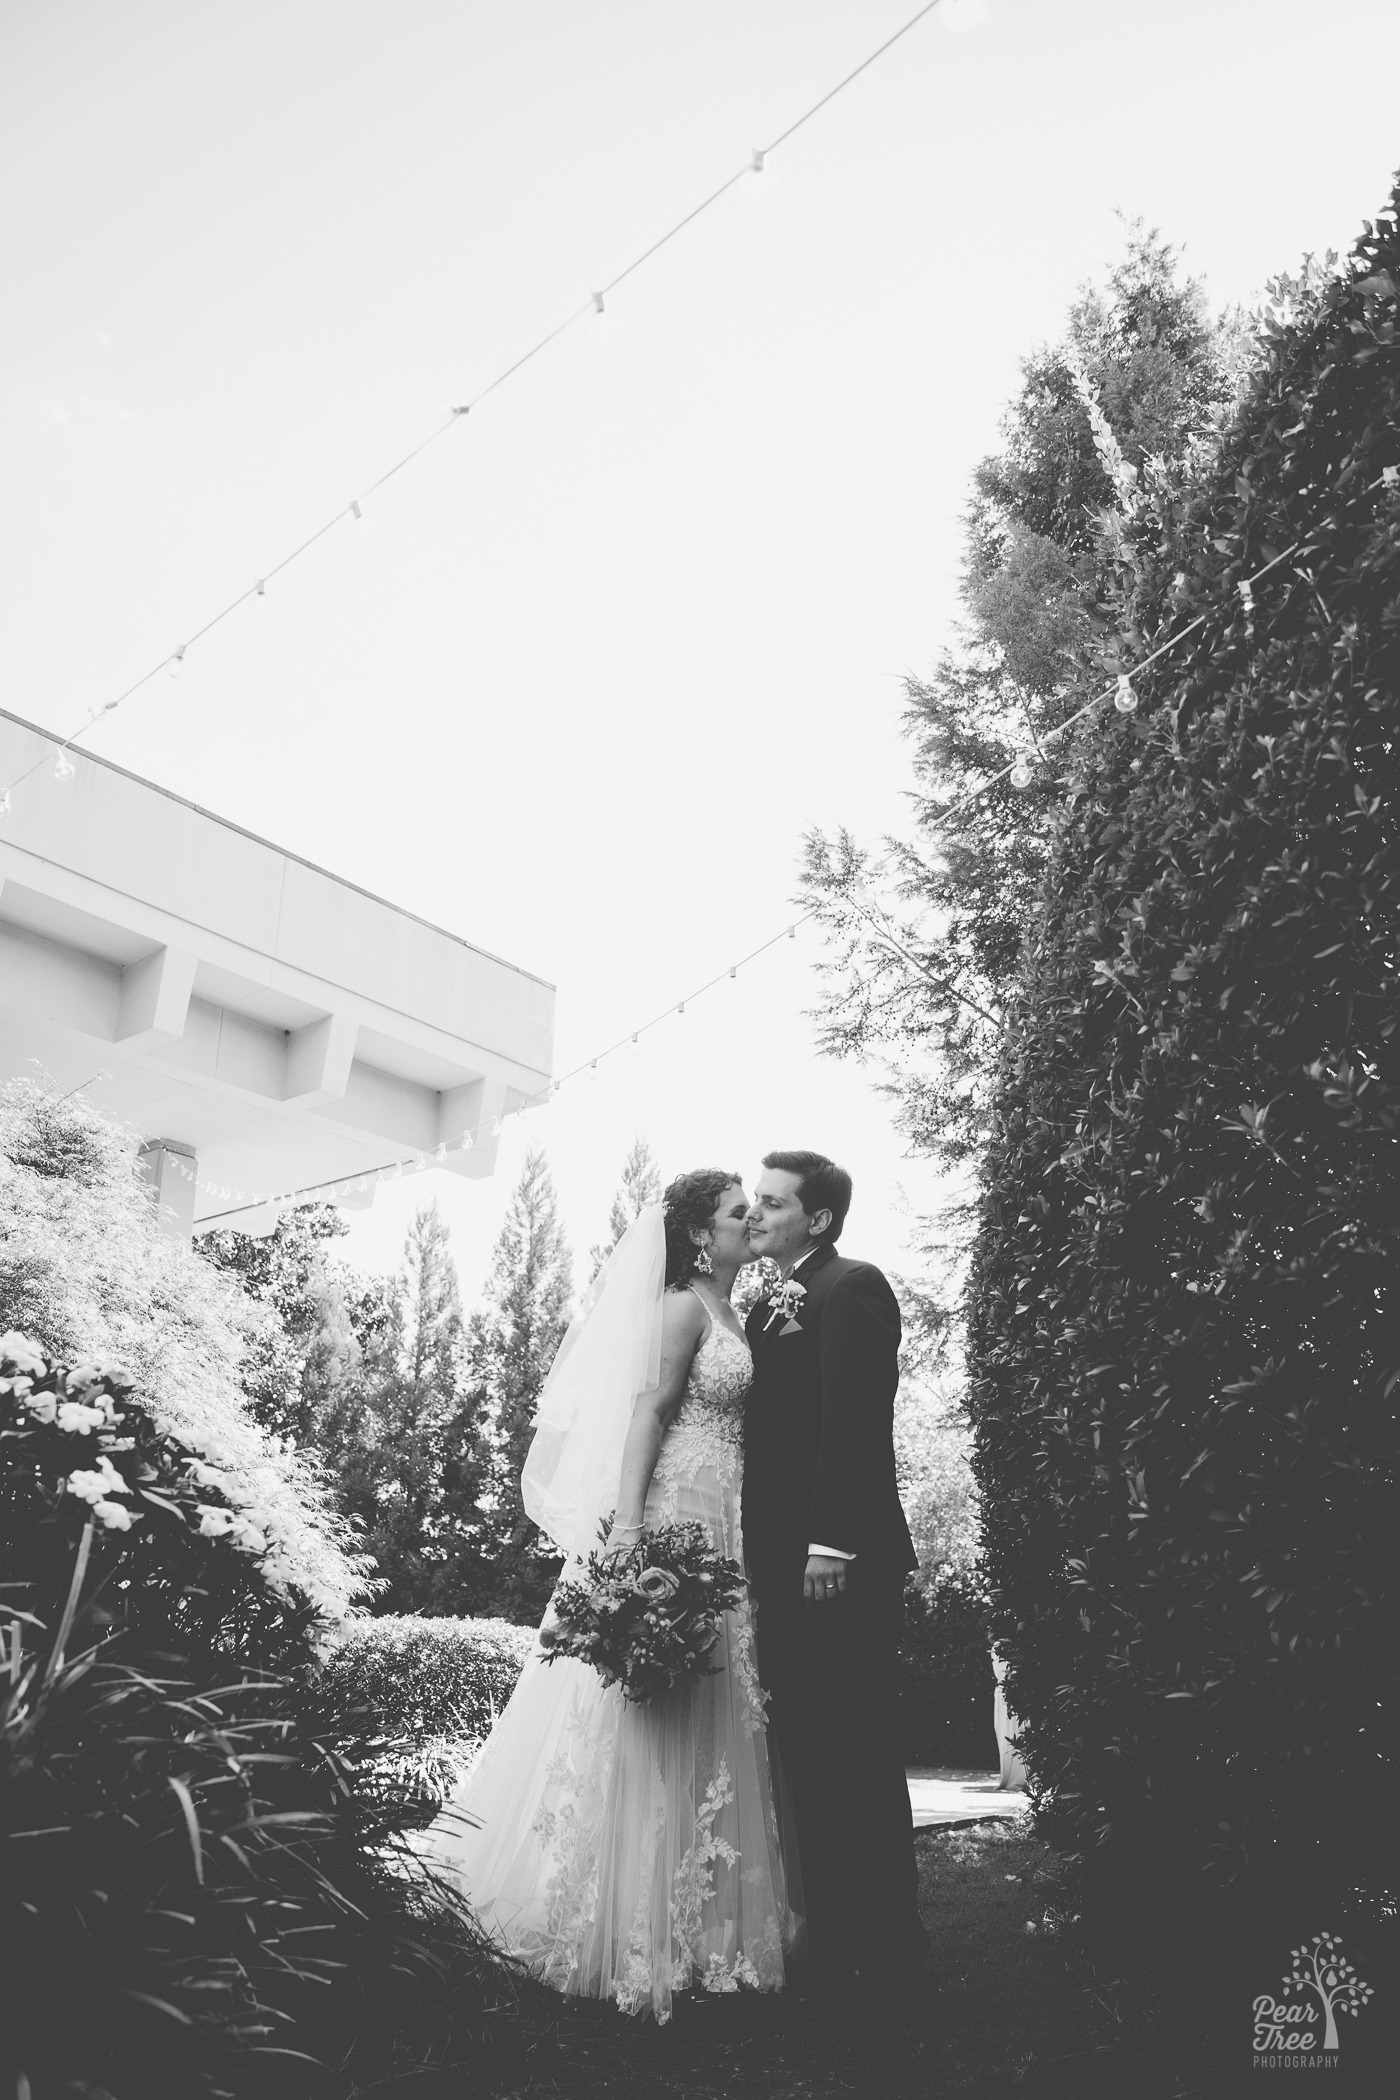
<point>945,1797</point>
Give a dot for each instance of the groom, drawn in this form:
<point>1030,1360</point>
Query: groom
<point>828,1551</point>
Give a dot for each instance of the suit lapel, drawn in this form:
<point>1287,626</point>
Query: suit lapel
<point>761,1329</point>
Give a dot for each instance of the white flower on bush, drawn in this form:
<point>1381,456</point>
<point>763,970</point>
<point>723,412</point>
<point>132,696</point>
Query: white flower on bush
<point>114,1515</point>
<point>42,1406</point>
<point>77,1418</point>
<point>81,1378</point>
<point>206,1476</point>
<point>20,1353</point>
<point>92,1484</point>
<point>215,1523</point>
<point>134,1293</point>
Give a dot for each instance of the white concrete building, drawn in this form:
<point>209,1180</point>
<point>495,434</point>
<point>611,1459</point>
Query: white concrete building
<point>269,1030</point>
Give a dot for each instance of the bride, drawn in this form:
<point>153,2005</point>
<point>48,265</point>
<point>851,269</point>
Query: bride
<point>623,1851</point>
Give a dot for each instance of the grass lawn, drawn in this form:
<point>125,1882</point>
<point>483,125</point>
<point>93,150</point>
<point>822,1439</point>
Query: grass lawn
<point>1012,2005</point>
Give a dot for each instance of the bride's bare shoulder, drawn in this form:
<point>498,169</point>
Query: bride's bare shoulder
<point>683,1317</point>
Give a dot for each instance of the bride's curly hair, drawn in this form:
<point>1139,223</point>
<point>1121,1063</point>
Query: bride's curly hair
<point>690,1202</point>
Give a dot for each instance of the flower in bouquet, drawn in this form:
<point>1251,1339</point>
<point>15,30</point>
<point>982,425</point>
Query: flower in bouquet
<point>646,1616</point>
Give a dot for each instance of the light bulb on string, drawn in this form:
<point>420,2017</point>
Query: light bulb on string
<point>1022,773</point>
<point>1125,699</point>
<point>356,510</point>
<point>5,811</point>
<point>64,769</point>
<point>260,591</point>
<point>605,323</point>
<point>176,665</point>
<point>759,178</point>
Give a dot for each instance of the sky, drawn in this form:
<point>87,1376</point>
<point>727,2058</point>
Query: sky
<point>589,669</point>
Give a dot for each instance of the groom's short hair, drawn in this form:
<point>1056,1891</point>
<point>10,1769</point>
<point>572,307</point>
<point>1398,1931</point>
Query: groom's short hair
<point>821,1185</point>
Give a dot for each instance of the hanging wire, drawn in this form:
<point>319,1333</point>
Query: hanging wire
<point>352,509</point>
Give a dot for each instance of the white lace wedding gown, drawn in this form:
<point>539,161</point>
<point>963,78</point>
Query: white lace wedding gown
<point>629,1852</point>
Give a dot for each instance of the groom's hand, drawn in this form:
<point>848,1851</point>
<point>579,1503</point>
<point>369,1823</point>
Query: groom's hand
<point>825,1578</point>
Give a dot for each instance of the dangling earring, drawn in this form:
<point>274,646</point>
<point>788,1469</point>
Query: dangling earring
<point>703,1265</point>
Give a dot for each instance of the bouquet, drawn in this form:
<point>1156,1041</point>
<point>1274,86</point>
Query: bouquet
<point>647,1615</point>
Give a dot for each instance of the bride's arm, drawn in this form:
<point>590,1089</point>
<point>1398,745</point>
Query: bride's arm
<point>682,1323</point>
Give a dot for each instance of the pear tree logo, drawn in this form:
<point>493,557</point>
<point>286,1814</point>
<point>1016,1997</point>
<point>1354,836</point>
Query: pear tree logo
<point>1286,2033</point>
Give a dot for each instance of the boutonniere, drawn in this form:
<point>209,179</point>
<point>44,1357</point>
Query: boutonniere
<point>786,1303</point>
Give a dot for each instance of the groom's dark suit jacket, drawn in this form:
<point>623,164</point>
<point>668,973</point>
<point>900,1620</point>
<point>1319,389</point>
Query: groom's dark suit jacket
<point>819,1425</point>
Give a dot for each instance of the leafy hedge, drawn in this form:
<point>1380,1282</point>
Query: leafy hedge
<point>1185,1306</point>
<point>433,1686</point>
<point>944,1687</point>
<point>193,1884</point>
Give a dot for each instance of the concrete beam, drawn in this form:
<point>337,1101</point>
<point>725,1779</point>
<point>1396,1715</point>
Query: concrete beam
<point>477,1108</point>
<point>153,1002</point>
<point>319,1058</point>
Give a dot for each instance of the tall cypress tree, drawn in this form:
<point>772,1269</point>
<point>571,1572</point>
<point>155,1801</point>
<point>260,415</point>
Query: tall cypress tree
<point>499,1563</point>
<point>1141,377</point>
<point>640,1185</point>
<point>393,1465</point>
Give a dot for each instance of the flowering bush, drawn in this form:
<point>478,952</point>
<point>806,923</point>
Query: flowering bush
<point>86,1271</point>
<point>648,1615</point>
<point>192,1877</point>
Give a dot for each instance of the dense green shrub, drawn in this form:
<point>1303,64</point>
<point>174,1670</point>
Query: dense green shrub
<point>433,1686</point>
<point>1185,1307</point>
<point>944,1688</point>
<point>193,1887</point>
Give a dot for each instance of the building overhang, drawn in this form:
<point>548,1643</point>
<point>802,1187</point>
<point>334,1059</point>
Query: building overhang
<point>285,1029</point>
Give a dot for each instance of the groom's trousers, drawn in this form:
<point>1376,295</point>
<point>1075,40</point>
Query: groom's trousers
<point>829,1671</point>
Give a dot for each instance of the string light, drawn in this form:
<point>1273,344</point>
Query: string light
<point>64,769</point>
<point>593,305</point>
<point>1021,772</point>
<point>177,665</point>
<point>355,511</point>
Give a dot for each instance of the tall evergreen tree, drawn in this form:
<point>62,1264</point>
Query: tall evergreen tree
<point>409,1396</point>
<point>1136,389</point>
<point>305,1359</point>
<point>511,1341</point>
<point>640,1185</point>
